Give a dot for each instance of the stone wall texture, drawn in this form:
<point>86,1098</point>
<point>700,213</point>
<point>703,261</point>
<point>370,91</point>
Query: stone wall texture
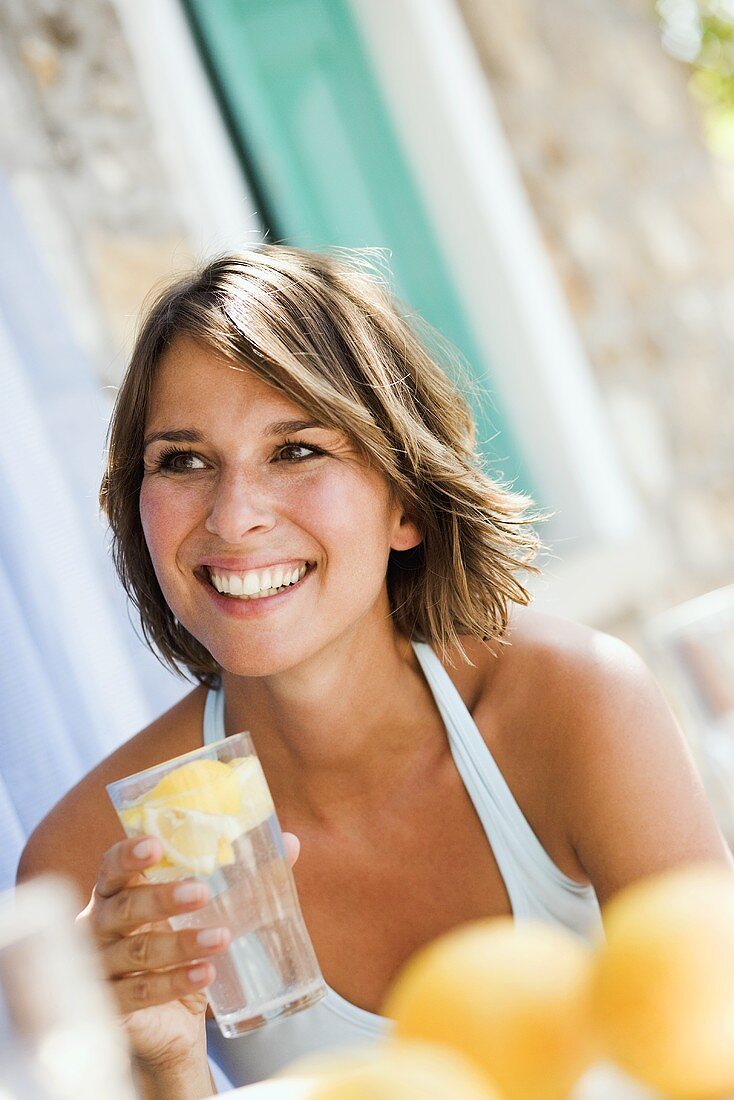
<point>80,155</point>
<point>638,218</point>
<point>635,213</point>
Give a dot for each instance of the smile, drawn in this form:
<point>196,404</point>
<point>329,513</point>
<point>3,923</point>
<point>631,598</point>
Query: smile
<point>256,584</point>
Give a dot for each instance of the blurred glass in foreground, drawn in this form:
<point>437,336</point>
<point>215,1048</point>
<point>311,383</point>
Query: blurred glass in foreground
<point>696,639</point>
<point>58,1035</point>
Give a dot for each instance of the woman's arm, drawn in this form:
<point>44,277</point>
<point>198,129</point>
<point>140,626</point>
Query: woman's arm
<point>633,800</point>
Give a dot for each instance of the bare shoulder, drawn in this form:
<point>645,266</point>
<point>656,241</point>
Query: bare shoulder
<point>547,665</point>
<point>566,662</point>
<point>579,718</point>
<point>583,693</point>
<point>75,834</point>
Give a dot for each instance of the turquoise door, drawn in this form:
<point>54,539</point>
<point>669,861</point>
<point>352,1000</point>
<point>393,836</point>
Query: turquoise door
<point>307,116</point>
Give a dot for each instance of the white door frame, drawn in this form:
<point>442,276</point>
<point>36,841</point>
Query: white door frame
<point>442,108</point>
<point>217,205</point>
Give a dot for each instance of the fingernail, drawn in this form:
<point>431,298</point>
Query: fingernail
<point>188,892</point>
<point>198,974</point>
<point>210,937</point>
<point>143,850</point>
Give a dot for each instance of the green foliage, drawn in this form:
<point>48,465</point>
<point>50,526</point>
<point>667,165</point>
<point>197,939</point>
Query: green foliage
<point>701,33</point>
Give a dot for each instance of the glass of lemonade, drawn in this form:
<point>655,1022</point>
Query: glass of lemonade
<point>214,815</point>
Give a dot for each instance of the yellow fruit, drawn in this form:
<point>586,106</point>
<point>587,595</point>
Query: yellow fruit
<point>208,786</point>
<point>192,841</point>
<point>329,1062</point>
<point>255,803</point>
<point>402,1071</point>
<point>663,990</point>
<point>132,819</point>
<point>197,810</point>
<point>512,998</point>
<point>163,871</point>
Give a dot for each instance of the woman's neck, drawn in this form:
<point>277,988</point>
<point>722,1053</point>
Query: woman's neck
<point>341,731</point>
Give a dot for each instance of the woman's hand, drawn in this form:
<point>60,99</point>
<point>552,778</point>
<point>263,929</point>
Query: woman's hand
<point>157,975</point>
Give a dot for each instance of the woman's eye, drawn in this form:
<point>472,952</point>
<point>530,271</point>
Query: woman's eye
<point>296,452</point>
<point>180,461</point>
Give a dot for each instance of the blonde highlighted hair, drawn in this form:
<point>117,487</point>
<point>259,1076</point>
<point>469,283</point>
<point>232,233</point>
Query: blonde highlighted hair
<point>324,331</point>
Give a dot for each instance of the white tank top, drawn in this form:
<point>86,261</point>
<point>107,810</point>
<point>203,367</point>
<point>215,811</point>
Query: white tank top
<point>537,889</point>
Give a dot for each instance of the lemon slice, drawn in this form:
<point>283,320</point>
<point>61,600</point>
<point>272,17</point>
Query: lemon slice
<point>163,871</point>
<point>255,803</point>
<point>192,841</point>
<point>204,785</point>
<point>197,810</point>
<point>132,818</point>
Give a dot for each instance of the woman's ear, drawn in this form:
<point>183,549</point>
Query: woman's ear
<point>406,534</point>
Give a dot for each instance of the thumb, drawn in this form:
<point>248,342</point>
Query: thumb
<point>292,846</point>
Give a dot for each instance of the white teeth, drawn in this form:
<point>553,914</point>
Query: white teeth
<point>251,584</point>
<point>255,585</point>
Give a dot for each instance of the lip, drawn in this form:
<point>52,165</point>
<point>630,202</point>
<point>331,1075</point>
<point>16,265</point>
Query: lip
<point>248,609</point>
<point>242,565</point>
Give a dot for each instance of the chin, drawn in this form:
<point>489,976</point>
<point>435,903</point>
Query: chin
<point>259,661</point>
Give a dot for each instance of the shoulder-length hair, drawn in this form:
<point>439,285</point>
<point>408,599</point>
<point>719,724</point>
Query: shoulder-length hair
<point>324,331</point>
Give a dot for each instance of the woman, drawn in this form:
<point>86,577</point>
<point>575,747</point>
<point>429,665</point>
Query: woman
<point>300,517</point>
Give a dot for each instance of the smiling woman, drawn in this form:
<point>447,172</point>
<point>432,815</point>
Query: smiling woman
<point>318,336</point>
<point>300,516</point>
<point>230,517</point>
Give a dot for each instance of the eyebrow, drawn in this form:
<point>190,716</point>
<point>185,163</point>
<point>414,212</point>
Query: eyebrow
<point>190,435</point>
<point>287,427</point>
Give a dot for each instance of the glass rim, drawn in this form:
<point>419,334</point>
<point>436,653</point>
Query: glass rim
<point>175,760</point>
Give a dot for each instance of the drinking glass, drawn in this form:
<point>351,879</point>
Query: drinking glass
<point>214,815</point>
<point>59,1036</point>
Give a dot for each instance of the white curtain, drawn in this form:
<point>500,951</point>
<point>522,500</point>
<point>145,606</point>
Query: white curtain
<point>75,681</point>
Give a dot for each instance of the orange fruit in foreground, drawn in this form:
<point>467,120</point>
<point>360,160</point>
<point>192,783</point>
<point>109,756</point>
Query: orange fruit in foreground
<point>511,998</point>
<point>663,991</point>
<point>327,1063</point>
<point>403,1071</point>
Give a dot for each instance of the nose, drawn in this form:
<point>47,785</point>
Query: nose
<point>239,508</point>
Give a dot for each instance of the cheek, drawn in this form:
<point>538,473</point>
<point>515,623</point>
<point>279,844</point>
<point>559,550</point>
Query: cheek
<point>164,517</point>
<point>349,516</point>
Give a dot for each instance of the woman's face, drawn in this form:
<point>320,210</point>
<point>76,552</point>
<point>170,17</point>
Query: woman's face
<point>243,494</point>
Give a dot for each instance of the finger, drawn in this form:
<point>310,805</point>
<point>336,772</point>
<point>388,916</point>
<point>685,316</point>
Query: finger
<point>131,908</point>
<point>157,988</point>
<point>161,950</point>
<point>292,846</point>
<point>124,860</point>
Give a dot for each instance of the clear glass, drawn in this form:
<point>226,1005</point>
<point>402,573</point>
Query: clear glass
<point>213,812</point>
<point>59,1036</point>
<point>694,647</point>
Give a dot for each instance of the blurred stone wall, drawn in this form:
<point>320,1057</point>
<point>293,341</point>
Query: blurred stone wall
<point>636,215</point>
<point>639,221</point>
<point>79,152</point>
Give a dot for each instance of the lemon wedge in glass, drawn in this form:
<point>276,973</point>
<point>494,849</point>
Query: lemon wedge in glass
<point>208,786</point>
<point>197,810</point>
<point>193,841</point>
<point>255,803</point>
